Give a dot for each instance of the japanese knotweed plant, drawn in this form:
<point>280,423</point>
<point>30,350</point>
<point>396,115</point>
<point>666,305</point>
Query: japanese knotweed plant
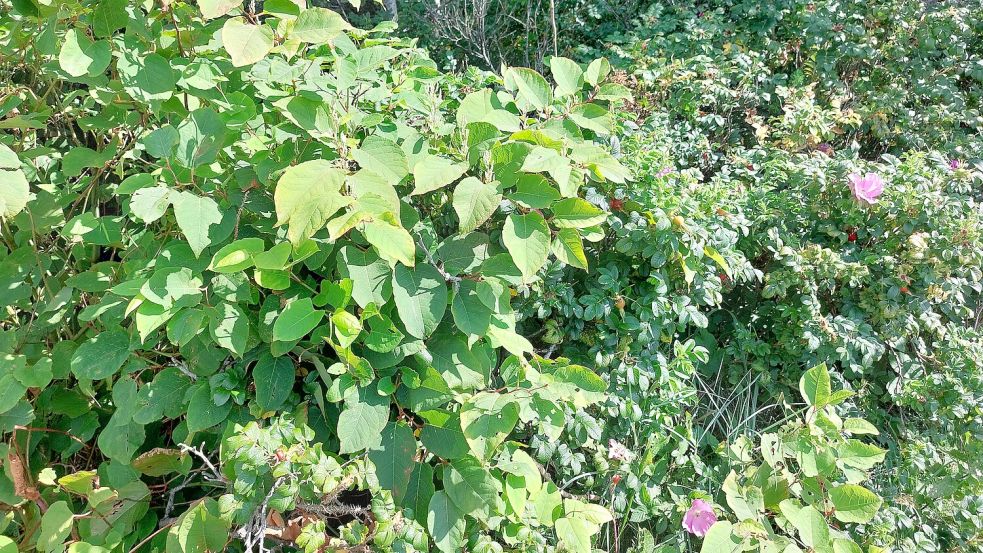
<point>270,234</point>
<point>803,490</point>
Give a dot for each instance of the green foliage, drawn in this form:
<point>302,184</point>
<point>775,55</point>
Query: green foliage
<point>810,472</point>
<point>273,276</point>
<point>295,243</point>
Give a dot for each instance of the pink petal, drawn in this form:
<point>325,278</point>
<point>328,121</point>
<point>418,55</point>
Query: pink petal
<point>699,518</point>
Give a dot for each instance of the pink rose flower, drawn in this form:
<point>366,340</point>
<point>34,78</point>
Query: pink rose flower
<point>699,518</point>
<point>866,188</point>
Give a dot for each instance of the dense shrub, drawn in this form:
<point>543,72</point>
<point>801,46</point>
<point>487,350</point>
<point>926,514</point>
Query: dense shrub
<point>258,276</point>
<point>268,274</point>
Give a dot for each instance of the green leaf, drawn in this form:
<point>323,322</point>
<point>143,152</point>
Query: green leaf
<point>460,364</point>
<point>148,79</point>
<point>391,240</point>
<point>593,117</point>
<point>275,259</point>
<point>485,430</point>
<point>202,411</point>
<point>236,256</point>
<point>527,238</point>
<point>173,287</point>
<point>841,545</point>
<point>717,258</point>
<point>229,327</point>
<point>246,43</point>
<point>81,56</point>
<point>575,534</point>
<point>569,248</point>
<point>483,106</point>
<point>515,493</point>
<point>150,204</point>
<point>597,71</point>
<point>296,321</point>
<point>383,157</point>
<point>580,378</point>
<point>462,254</point>
<point>199,529</point>
<point>854,503</point>
<point>14,193</point>
<point>420,294</point>
<point>434,172</point>
<point>858,455</point>
<point>318,25</point>
<point>721,539</point>
<point>361,423</point>
<point>109,16</point>
<point>56,526</point>
<point>11,389</point>
<point>159,462</point>
<point>474,202</point>
<point>184,326</point>
<point>446,524</point>
<point>347,327</point>
<point>533,92</point>
<point>8,158</point>
<point>521,464</point>
<point>306,196</point>
<point>815,386</point>
<point>812,527</point>
<point>101,356</point>
<point>470,313</point>
<point>857,426</point>
<point>274,379</point>
<point>210,9</point>
<point>419,491</point>
<point>568,75</point>
<point>541,159</point>
<point>613,91</point>
<point>470,486</point>
<point>163,397</point>
<point>38,375</point>
<point>393,459</point>
<point>442,434</point>
<point>196,215</point>
<point>201,137</point>
<point>576,213</point>
<point>370,275</point>
<point>534,192</point>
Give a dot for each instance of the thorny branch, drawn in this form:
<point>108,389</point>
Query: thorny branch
<point>216,475</point>
<point>253,534</point>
